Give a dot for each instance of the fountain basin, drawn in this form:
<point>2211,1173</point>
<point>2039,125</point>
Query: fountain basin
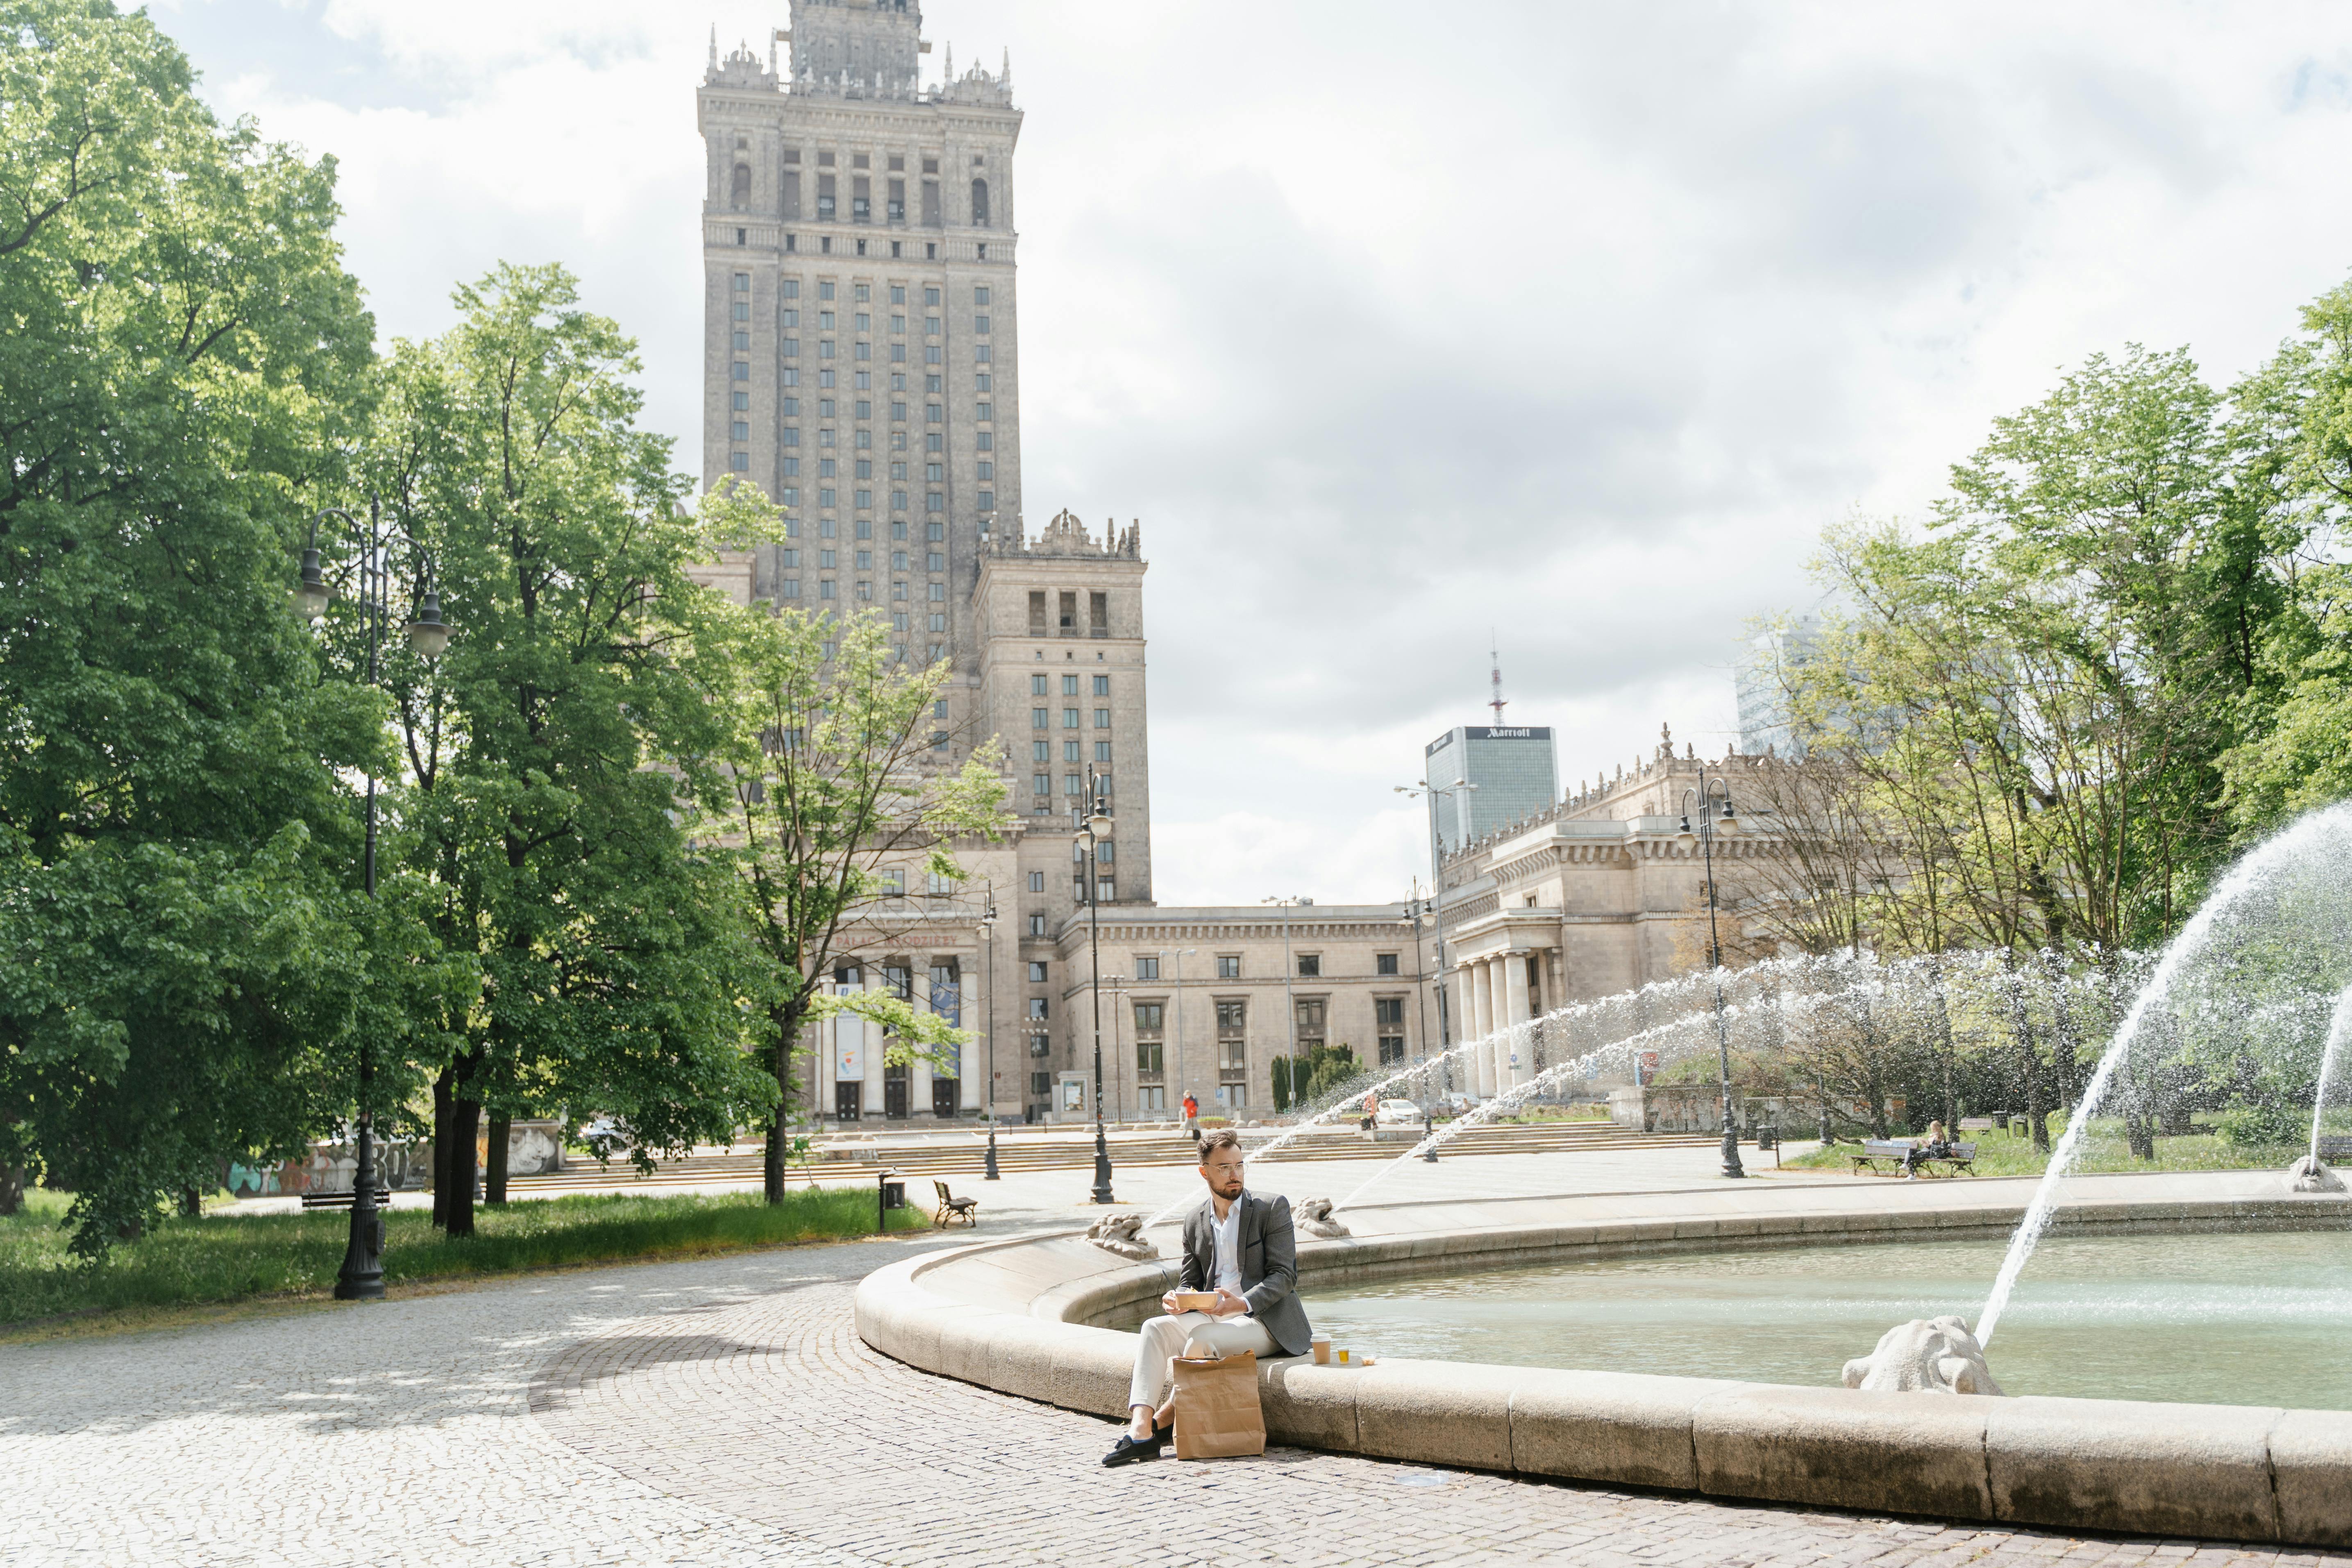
<point>1023,1317</point>
<point>2230,1317</point>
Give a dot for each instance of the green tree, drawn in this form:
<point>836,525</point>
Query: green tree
<point>183,356</point>
<point>840,778</point>
<point>2297,414</point>
<point>557,750</point>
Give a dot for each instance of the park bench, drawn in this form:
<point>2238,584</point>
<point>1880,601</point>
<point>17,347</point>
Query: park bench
<point>2335,1147</point>
<point>1892,1153</point>
<point>953,1208</point>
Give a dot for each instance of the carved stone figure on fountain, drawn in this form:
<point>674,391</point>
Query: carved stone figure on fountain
<point>1313,1219</point>
<point>2310,1175</point>
<point>1935,1355</point>
<point>1122,1233</point>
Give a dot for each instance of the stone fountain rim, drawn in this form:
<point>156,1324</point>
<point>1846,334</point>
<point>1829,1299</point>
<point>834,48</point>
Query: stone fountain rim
<point>1017,1315</point>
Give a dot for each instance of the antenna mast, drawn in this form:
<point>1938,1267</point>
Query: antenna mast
<point>1495,654</point>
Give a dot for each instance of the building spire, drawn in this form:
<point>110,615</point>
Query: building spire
<point>1497,701</point>
<point>714,46</point>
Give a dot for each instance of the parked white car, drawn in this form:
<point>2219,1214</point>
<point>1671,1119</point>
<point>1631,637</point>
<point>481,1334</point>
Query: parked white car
<point>1397,1113</point>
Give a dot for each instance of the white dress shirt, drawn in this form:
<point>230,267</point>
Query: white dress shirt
<point>1227,1232</point>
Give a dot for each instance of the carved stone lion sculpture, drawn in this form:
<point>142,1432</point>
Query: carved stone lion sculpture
<point>2309,1175</point>
<point>1313,1217</point>
<point>1121,1234</point>
<point>1935,1354</point>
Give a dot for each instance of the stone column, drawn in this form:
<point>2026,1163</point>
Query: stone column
<point>870,1046</point>
<point>1481,993</point>
<point>1480,1023</point>
<point>919,1072</point>
<point>1464,1028</point>
<point>1514,993</point>
<point>1498,1005</point>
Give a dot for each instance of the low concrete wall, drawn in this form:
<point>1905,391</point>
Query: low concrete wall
<point>1022,1318</point>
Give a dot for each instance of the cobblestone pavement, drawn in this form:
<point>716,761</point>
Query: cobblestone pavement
<point>724,1413</point>
<point>773,1411</point>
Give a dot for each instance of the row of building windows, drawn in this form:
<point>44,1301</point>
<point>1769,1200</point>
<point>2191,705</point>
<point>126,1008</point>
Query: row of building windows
<point>828,289</point>
<point>861,196</point>
<point>829,588</point>
<point>1038,685</point>
<point>1043,752</point>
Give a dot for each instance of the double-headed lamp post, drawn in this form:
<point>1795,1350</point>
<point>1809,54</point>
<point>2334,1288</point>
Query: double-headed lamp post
<point>1708,819</point>
<point>1417,790</point>
<point>988,1018</point>
<point>1094,824</point>
<point>360,1279</point>
<point>1415,907</point>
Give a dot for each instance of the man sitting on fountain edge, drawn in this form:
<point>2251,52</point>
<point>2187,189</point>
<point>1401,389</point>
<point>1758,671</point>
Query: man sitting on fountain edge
<point>1242,1247</point>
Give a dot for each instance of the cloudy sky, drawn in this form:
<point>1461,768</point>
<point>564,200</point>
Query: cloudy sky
<point>1396,325</point>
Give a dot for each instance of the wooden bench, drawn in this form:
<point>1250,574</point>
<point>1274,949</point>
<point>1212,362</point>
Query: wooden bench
<point>2335,1147</point>
<point>1895,1152</point>
<point>953,1208</point>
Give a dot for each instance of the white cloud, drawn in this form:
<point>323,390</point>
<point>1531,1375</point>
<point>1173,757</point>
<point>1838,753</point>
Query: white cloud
<point>1576,321</point>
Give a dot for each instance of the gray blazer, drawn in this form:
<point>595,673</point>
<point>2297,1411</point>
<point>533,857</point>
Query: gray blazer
<point>1269,1261</point>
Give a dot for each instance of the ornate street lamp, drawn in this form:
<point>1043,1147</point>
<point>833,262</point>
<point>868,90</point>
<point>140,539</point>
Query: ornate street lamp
<point>1708,827</point>
<point>1288,1002</point>
<point>988,936</point>
<point>361,1277</point>
<point>1414,907</point>
<point>1094,824</point>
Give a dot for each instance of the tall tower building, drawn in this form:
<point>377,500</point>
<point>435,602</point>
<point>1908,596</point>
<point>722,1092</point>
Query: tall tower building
<point>1513,768</point>
<point>861,365</point>
<point>861,360</point>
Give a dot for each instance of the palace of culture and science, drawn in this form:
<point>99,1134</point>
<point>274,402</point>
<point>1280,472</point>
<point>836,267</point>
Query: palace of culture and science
<point>862,364</point>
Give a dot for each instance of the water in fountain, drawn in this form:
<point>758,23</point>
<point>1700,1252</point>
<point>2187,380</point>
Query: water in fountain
<point>2245,966</point>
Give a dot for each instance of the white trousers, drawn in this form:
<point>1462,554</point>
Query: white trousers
<point>1164,1340</point>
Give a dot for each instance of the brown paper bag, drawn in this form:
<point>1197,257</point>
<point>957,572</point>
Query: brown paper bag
<point>1217,1414</point>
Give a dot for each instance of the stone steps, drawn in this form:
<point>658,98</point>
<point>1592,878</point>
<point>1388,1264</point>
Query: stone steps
<point>968,1160</point>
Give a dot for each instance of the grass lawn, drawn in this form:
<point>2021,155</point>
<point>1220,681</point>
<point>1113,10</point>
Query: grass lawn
<point>2103,1149</point>
<point>224,1259</point>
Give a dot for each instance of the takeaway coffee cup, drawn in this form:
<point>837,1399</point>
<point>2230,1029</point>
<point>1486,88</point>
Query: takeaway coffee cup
<point>1321,1345</point>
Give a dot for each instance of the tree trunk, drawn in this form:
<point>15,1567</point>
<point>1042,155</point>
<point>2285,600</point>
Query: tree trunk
<point>494,1179</point>
<point>192,1202</point>
<point>465,1129</point>
<point>773,1158</point>
<point>444,1108</point>
<point>2029,1063</point>
<point>12,1188</point>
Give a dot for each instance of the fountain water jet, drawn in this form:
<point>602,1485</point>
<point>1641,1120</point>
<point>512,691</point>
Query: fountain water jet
<point>1519,1095</point>
<point>2298,845</point>
<point>2311,1174</point>
<point>1567,1015</point>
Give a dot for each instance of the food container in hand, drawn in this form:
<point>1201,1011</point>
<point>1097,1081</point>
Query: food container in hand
<point>1195,1301</point>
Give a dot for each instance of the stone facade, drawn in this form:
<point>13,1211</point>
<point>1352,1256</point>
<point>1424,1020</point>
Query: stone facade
<point>1204,999</point>
<point>1597,894</point>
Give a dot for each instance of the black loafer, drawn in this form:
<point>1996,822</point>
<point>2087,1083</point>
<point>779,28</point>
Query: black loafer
<point>1127,1451</point>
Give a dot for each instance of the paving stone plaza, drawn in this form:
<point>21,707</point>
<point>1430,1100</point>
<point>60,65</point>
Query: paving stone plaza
<point>725,1412</point>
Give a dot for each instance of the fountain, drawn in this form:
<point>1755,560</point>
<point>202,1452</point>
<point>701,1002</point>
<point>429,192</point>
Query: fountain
<point>1681,1337</point>
<point>2321,842</point>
